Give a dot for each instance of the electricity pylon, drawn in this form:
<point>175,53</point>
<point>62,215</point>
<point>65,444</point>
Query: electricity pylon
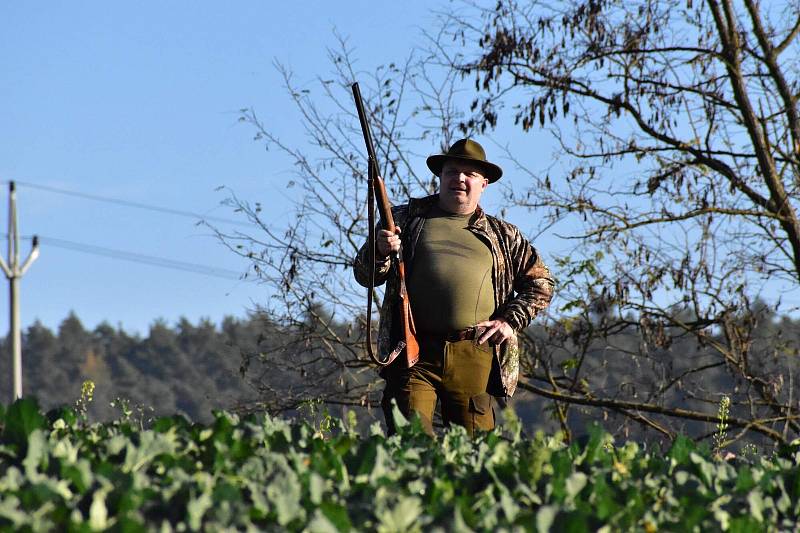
<point>14,272</point>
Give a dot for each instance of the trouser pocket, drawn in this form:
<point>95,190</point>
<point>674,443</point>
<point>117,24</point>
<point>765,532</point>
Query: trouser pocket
<point>482,414</point>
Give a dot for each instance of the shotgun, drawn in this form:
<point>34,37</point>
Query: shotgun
<point>376,188</point>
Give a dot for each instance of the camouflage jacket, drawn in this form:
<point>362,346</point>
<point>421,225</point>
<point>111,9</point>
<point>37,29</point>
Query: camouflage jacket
<point>523,285</point>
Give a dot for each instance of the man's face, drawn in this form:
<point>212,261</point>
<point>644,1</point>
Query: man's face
<point>461,184</point>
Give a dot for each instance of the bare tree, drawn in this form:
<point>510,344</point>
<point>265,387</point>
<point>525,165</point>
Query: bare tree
<point>680,163</point>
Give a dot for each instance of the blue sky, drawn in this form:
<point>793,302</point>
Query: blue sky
<point>138,101</point>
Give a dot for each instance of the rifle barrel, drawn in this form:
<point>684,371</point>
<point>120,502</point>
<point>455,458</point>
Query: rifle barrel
<point>362,117</point>
<point>375,180</point>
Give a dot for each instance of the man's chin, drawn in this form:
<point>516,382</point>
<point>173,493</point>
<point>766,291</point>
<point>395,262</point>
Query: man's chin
<point>459,198</point>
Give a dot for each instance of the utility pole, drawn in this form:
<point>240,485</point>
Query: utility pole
<point>14,272</point>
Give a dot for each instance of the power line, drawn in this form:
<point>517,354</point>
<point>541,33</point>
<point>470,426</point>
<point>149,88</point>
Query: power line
<point>160,262</point>
<point>128,203</point>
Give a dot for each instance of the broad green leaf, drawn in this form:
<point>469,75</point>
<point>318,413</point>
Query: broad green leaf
<point>258,494</point>
<point>10,510</point>
<point>171,423</point>
<point>151,445</point>
<point>545,517</point>
<point>316,488</point>
<point>98,512</point>
<point>284,493</point>
<point>681,477</point>
<point>79,474</point>
<point>744,524</point>
<point>36,455</point>
<point>22,418</point>
<point>744,479</point>
<point>722,516</point>
<point>597,446</point>
<point>337,515</point>
<point>603,499</point>
<point>783,503</point>
<point>116,444</point>
<point>755,500</point>
<point>459,524</point>
<point>45,489</point>
<point>574,484</point>
<point>509,506</point>
<point>403,517</point>
<point>680,449</point>
<point>12,480</point>
<point>382,466</point>
<point>511,424</point>
<point>399,420</point>
<point>65,414</point>
<point>704,467</point>
<point>320,524</point>
<point>196,508</point>
<point>572,522</point>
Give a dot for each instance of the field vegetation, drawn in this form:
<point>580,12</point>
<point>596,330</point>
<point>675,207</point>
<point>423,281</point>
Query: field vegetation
<point>59,472</point>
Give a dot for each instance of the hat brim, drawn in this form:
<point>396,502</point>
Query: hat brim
<point>490,171</point>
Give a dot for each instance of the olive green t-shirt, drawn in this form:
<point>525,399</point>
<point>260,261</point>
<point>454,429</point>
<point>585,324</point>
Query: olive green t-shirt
<point>450,282</point>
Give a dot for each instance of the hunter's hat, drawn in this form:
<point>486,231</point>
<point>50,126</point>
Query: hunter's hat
<point>466,150</point>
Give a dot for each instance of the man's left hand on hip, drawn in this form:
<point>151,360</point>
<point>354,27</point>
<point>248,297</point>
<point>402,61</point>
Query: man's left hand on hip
<point>495,331</point>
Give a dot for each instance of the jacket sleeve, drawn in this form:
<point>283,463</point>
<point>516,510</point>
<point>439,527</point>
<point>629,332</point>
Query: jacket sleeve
<point>533,284</point>
<point>361,267</point>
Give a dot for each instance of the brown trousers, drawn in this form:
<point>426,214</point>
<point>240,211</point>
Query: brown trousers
<point>455,374</point>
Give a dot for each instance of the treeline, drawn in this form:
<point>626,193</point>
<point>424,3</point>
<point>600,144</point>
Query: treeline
<point>189,369</point>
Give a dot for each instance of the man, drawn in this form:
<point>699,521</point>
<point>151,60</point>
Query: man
<point>473,281</point>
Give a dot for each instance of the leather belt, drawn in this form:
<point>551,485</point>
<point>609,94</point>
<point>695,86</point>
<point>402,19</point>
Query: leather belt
<point>466,334</point>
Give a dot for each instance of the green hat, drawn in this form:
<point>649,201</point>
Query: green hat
<point>466,150</point>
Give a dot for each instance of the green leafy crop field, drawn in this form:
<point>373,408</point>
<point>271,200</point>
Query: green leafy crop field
<point>58,472</point>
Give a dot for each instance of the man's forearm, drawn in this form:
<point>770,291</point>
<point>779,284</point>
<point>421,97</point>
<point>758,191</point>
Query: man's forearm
<point>361,268</point>
<point>534,291</point>
<point>527,304</point>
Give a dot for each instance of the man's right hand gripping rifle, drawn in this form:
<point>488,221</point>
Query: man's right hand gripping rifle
<point>387,243</point>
